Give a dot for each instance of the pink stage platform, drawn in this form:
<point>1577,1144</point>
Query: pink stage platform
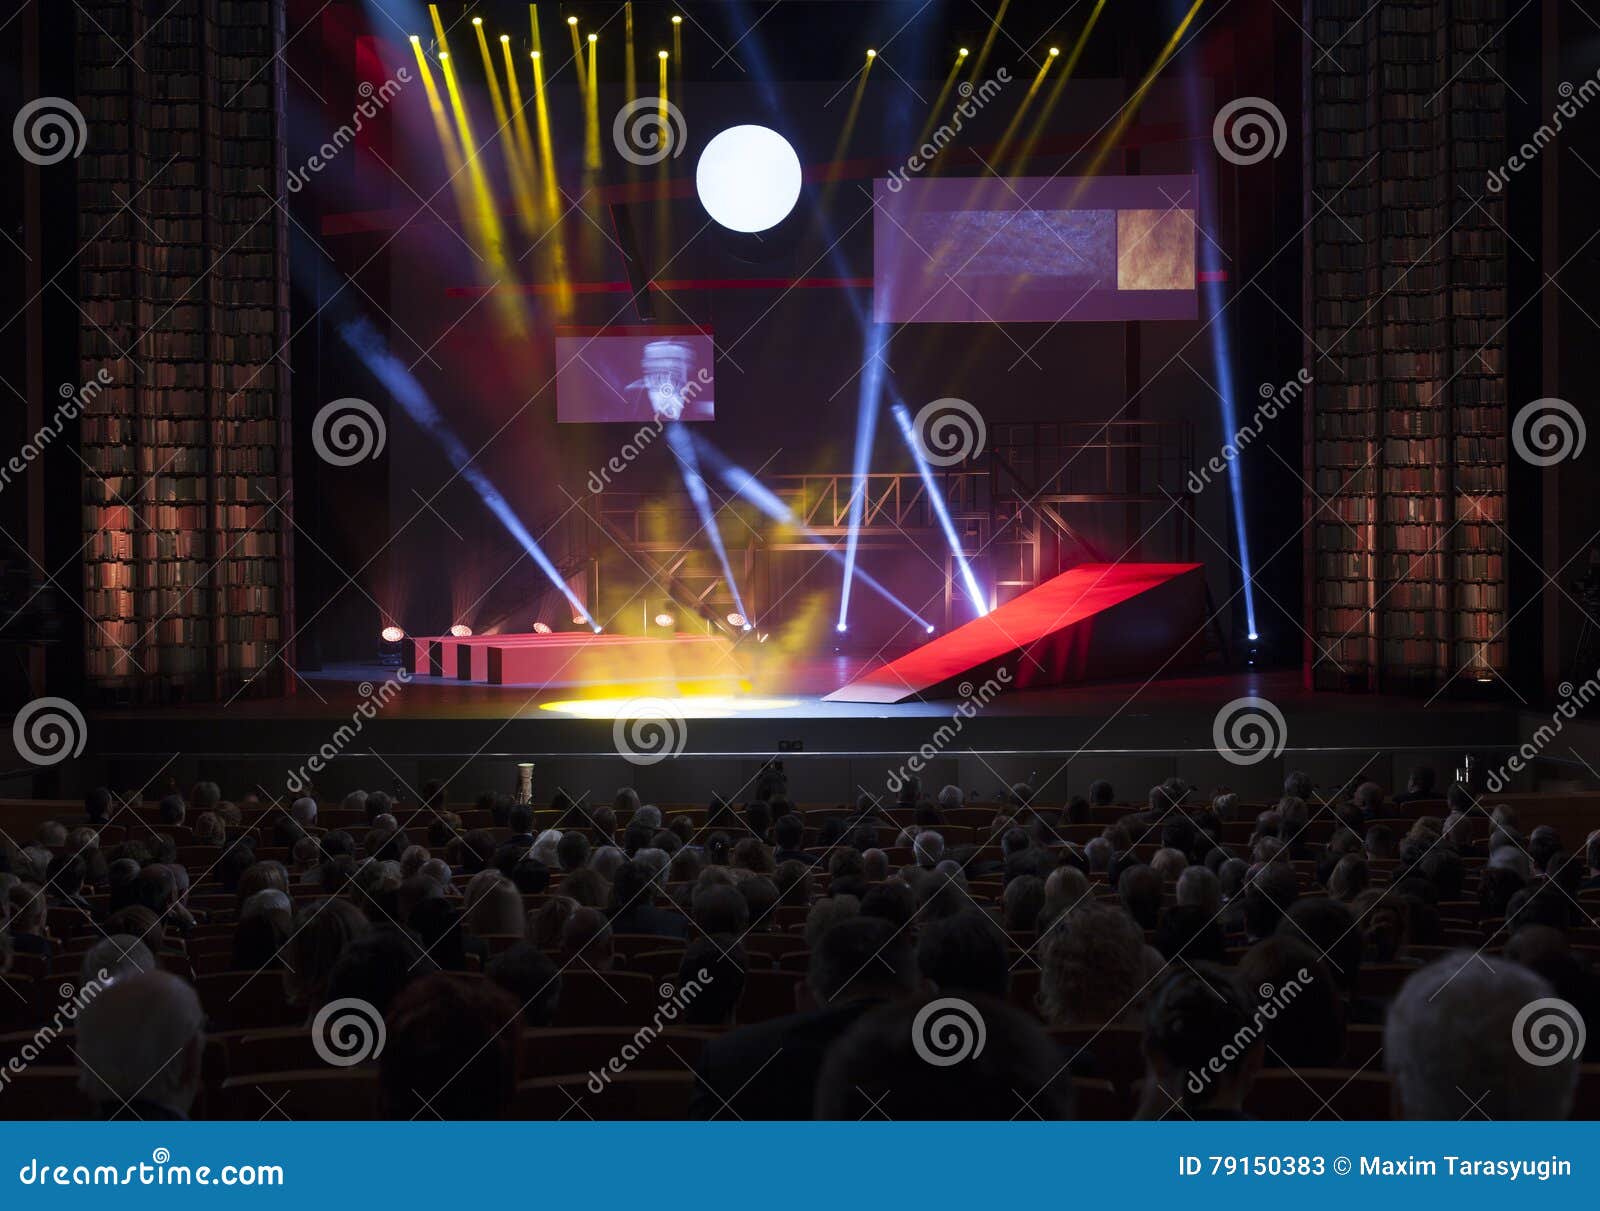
<point>1094,622</point>
<point>571,658</point>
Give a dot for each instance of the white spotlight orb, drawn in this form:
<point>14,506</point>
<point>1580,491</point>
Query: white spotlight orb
<point>748,178</point>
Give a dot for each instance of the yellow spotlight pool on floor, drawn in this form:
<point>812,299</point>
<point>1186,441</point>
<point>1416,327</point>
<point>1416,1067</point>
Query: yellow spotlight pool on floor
<point>687,706</point>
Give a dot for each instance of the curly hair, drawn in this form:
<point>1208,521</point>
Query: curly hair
<point>1096,967</point>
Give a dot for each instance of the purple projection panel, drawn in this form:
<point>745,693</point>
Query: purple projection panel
<point>1043,250</point>
<point>633,373</point>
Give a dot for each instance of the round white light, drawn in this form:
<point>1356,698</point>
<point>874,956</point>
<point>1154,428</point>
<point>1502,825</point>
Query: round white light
<point>461,630</point>
<point>393,634</point>
<point>748,178</point>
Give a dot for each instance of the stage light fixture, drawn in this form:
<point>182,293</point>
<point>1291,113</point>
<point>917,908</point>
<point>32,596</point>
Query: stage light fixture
<point>963,52</point>
<point>1252,637</point>
<point>534,55</point>
<point>444,56</point>
<point>929,628</point>
<point>661,54</point>
<point>461,630</point>
<point>841,628</point>
<point>572,21</point>
<point>748,178</point>
<point>477,21</point>
<point>541,628</point>
<point>665,620</point>
<point>393,634</point>
<point>871,54</point>
<point>1054,51</point>
<point>677,20</point>
<point>736,619</point>
<point>594,37</point>
<point>415,40</point>
<point>505,37</point>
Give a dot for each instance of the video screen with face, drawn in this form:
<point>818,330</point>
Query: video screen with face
<point>634,375</point>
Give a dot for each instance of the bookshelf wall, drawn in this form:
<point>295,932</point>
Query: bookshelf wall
<point>183,293</point>
<point>1406,430</point>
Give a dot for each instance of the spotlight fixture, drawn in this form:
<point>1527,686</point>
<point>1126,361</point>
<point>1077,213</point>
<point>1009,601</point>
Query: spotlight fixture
<point>737,619</point>
<point>541,628</point>
<point>664,619</point>
<point>461,630</point>
<point>677,20</point>
<point>477,21</point>
<point>1252,636</point>
<point>415,40</point>
<point>393,634</point>
<point>871,54</point>
<point>578,622</point>
<point>444,56</point>
<point>930,628</point>
<point>533,54</point>
<point>661,54</point>
<point>505,37</point>
<point>1054,51</point>
<point>594,37</point>
<point>962,53</point>
<point>572,21</point>
<point>841,628</point>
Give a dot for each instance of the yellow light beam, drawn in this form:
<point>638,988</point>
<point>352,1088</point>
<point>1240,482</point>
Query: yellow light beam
<point>936,112</point>
<point>516,171</point>
<point>1131,109</point>
<point>591,113</point>
<point>1026,150</point>
<point>846,131</point>
<point>982,57</point>
<point>663,169</point>
<point>577,54</point>
<point>1022,109</point>
<point>630,82</point>
<point>552,238</point>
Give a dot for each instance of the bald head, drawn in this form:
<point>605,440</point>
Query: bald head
<point>139,1040</point>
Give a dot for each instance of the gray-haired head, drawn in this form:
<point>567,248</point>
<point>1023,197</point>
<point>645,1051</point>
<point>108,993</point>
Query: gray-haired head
<point>1465,1036</point>
<point>951,796</point>
<point>303,810</point>
<point>928,847</point>
<point>648,814</point>
<point>116,957</point>
<point>1509,857</point>
<point>1199,887</point>
<point>605,860</point>
<point>140,1040</point>
<point>544,847</point>
<point>268,899</point>
<point>657,860</point>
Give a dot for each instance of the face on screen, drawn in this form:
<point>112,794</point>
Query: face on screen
<point>665,377</point>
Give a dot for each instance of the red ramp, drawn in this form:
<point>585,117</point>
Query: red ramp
<point>1097,621</point>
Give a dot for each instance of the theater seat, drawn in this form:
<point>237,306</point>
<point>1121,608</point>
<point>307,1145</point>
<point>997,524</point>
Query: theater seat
<point>234,1000</point>
<point>1113,1053</point>
<point>567,1051</point>
<point>43,1092</point>
<point>1321,1094</point>
<point>652,1096</point>
<point>1096,1099</point>
<point>607,998</point>
<point>340,1094</point>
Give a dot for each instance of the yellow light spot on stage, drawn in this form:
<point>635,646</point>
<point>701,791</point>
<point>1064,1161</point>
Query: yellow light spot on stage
<point>1054,51</point>
<point>689,706</point>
